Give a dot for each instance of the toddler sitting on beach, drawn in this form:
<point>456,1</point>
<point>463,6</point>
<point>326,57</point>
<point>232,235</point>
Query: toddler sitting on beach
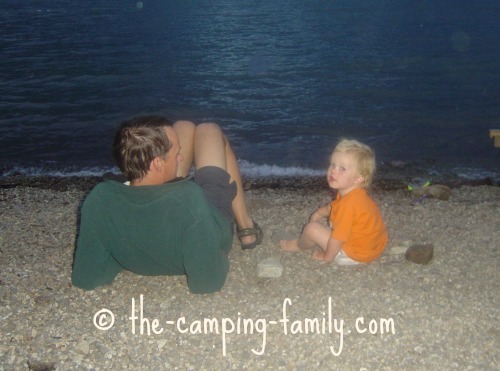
<point>357,233</point>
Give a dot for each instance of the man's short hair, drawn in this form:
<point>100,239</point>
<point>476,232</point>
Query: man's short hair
<point>137,142</point>
<point>363,155</point>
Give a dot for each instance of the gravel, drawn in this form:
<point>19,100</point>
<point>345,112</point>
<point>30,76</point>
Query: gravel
<point>390,314</point>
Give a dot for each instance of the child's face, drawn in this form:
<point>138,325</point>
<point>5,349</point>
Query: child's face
<point>343,174</point>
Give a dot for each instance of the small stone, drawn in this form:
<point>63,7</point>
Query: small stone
<point>83,347</point>
<point>41,366</point>
<point>420,254</point>
<point>161,343</point>
<point>269,268</point>
<point>42,299</point>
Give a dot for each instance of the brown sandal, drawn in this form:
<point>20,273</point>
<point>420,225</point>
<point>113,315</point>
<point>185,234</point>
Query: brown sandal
<point>256,230</point>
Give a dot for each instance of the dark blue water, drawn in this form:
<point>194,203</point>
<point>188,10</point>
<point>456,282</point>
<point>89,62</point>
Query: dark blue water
<point>285,79</point>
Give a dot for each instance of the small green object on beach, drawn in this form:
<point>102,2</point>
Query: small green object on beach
<point>419,183</point>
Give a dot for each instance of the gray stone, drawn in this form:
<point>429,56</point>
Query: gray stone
<point>269,268</point>
<point>83,347</point>
<point>41,366</point>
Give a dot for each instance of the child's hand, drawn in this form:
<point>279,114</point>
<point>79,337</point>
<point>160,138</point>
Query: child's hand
<point>320,213</point>
<point>318,255</point>
<point>315,217</point>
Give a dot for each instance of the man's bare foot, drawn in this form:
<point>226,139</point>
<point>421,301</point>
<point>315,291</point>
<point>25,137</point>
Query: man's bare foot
<point>289,245</point>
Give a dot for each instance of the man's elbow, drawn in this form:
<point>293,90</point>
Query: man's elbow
<point>85,283</point>
<point>206,286</point>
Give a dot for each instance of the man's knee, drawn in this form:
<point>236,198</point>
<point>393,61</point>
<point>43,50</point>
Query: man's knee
<point>184,125</point>
<point>209,128</point>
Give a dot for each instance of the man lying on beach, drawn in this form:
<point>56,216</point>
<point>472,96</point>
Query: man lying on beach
<point>358,234</point>
<point>162,222</point>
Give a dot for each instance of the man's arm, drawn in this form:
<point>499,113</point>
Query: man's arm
<point>93,265</point>
<point>205,262</point>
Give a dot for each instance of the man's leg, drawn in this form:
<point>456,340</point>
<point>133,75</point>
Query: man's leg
<point>185,132</point>
<point>211,148</point>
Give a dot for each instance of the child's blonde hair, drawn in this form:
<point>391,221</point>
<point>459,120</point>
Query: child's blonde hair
<point>364,156</point>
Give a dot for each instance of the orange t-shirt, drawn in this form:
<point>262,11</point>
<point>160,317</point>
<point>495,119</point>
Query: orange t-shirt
<point>357,222</point>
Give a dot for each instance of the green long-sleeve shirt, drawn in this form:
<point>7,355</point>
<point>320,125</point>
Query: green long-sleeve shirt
<point>169,229</point>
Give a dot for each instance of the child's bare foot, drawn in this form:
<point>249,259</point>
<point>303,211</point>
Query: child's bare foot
<point>289,245</point>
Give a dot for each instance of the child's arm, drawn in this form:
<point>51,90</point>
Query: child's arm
<point>333,248</point>
<point>320,213</point>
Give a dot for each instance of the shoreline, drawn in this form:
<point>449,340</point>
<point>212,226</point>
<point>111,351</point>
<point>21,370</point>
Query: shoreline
<point>386,178</point>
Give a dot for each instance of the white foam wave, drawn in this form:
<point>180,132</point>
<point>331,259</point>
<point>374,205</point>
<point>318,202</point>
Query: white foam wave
<point>252,170</point>
<point>475,173</point>
<point>248,169</point>
<point>65,172</point>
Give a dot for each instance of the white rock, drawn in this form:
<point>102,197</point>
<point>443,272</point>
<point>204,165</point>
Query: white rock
<point>83,347</point>
<point>161,343</point>
<point>269,268</point>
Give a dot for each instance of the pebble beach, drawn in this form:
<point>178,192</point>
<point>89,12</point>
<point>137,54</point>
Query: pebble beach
<point>389,314</point>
